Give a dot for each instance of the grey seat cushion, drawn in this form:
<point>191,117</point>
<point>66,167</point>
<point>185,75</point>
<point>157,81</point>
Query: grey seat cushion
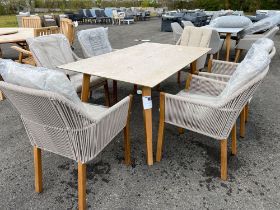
<point>77,80</point>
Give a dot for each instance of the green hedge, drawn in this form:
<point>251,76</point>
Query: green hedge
<point>13,6</point>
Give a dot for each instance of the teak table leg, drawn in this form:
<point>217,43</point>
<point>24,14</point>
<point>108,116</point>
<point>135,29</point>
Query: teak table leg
<point>146,91</point>
<point>193,67</point>
<point>228,36</point>
<point>161,127</point>
<point>82,178</point>
<point>115,92</point>
<point>85,88</point>
<point>38,170</point>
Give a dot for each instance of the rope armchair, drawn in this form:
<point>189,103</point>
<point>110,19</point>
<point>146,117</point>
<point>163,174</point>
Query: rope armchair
<point>56,124</point>
<point>211,107</point>
<point>54,50</point>
<point>223,70</point>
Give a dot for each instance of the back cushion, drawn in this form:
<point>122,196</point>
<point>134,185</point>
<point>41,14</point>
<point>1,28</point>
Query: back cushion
<point>38,78</point>
<point>51,51</point>
<point>231,21</point>
<point>94,41</point>
<point>196,37</point>
<point>253,64</point>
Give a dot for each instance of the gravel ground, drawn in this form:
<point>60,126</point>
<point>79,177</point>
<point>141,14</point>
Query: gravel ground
<point>186,178</point>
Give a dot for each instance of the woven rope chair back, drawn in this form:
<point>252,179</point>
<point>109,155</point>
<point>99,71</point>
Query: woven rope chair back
<point>46,31</point>
<point>67,28</point>
<point>52,122</point>
<point>31,22</point>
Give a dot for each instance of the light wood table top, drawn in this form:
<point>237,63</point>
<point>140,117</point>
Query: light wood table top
<point>20,36</point>
<point>229,30</point>
<point>146,64</point>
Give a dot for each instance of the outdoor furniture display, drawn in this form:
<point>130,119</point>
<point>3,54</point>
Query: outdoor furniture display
<point>37,32</point>
<point>67,28</point>
<point>147,66</point>
<point>74,130</point>
<point>195,37</point>
<point>31,22</point>
<point>246,42</point>
<point>177,31</point>
<point>88,16</point>
<point>48,20</point>
<point>211,107</point>
<point>54,50</point>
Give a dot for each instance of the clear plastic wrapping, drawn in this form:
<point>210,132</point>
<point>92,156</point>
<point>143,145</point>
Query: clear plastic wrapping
<point>263,24</point>
<point>94,41</point>
<point>231,21</point>
<point>51,51</point>
<point>38,78</point>
<point>254,63</point>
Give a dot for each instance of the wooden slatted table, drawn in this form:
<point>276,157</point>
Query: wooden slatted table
<point>146,64</point>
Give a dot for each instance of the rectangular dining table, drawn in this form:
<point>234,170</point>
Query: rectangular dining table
<point>146,65</point>
<point>228,32</point>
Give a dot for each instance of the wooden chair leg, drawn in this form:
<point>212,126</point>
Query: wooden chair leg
<point>237,55</point>
<point>246,112</point>
<point>135,89</point>
<point>233,140</point>
<point>179,77</point>
<point>82,186</point>
<point>242,123</point>
<point>107,94</point>
<point>224,159</point>
<point>115,91</point>
<point>209,66</point>
<point>127,152</point>
<point>161,128</point>
<point>1,96</point>
<point>38,169</point>
<point>181,130</point>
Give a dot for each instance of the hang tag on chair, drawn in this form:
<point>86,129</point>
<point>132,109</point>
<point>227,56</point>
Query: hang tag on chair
<point>147,102</point>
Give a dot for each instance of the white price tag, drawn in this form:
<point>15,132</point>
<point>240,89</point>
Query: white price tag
<point>76,24</point>
<point>147,102</point>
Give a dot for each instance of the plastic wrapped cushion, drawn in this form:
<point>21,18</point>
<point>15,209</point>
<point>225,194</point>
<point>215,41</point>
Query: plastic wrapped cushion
<point>263,24</point>
<point>51,51</point>
<point>231,21</point>
<point>264,43</point>
<point>94,41</point>
<point>253,64</point>
<point>38,78</point>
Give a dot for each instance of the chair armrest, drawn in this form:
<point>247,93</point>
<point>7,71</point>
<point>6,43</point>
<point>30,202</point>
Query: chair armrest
<point>205,86</point>
<point>205,117</point>
<point>219,77</point>
<point>223,67</point>
<point>105,128</point>
<point>21,50</point>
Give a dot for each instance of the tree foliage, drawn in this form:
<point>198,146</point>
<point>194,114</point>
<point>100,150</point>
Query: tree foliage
<point>13,6</point>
